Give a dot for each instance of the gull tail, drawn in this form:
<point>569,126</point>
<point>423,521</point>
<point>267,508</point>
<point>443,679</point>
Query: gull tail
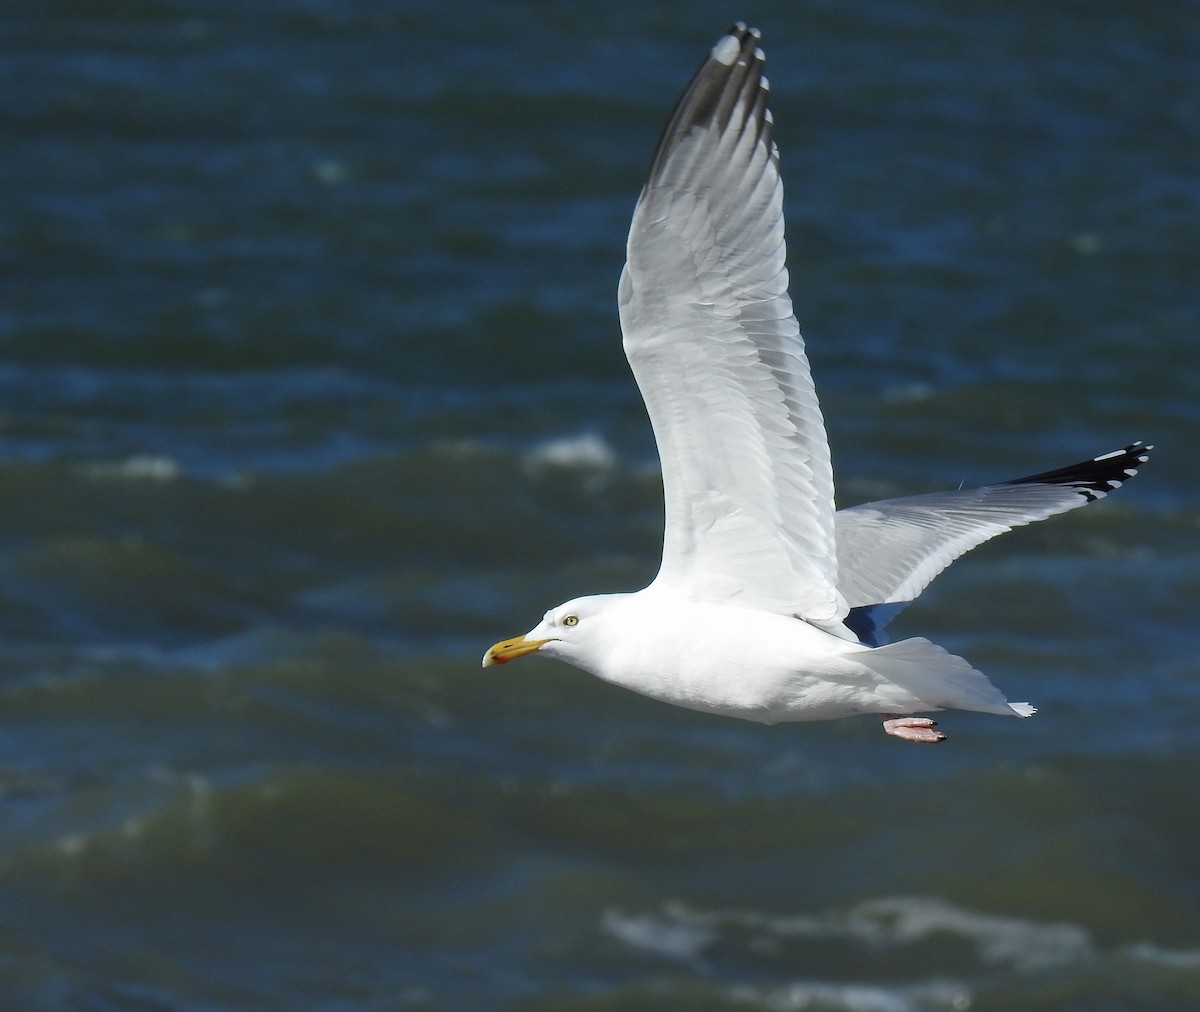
<point>927,677</point>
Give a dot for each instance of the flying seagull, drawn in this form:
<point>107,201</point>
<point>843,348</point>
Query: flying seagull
<point>769,605</point>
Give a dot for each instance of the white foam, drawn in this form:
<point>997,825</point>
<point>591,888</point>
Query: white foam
<point>684,934</point>
<point>1173,959</point>
<point>997,939</point>
<point>138,467</point>
<point>647,933</point>
<point>587,450</point>
<point>935,995</point>
<point>892,923</point>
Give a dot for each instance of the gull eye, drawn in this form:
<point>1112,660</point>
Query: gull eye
<point>571,620</point>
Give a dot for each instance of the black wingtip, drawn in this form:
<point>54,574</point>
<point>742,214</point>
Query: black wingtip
<point>730,79</point>
<point>1095,478</point>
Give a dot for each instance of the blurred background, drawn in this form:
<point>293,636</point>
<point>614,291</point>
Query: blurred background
<point>311,388</point>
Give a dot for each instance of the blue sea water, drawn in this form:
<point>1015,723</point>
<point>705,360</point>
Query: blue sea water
<point>311,388</point>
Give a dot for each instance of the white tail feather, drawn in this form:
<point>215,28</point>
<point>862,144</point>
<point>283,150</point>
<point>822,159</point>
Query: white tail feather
<point>937,679</point>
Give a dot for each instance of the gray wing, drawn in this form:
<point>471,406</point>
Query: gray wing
<point>710,336</point>
<point>889,551</point>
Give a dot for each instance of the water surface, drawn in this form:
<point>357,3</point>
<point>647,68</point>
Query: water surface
<point>311,388</point>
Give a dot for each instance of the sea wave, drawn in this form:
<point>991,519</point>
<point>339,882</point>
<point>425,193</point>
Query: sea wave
<point>681,932</point>
<point>585,450</point>
<point>812,996</point>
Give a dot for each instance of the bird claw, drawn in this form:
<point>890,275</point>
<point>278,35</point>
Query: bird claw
<point>913,729</point>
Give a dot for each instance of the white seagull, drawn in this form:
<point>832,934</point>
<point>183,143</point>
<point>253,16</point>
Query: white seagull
<point>769,605</point>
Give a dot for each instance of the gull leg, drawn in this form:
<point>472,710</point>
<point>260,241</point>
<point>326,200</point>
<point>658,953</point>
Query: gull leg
<point>913,728</point>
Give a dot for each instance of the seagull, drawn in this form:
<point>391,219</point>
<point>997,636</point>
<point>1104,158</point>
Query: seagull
<point>770,604</point>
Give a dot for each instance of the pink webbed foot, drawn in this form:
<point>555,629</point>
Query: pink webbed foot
<point>913,729</point>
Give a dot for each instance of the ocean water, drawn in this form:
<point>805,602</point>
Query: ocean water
<point>311,388</point>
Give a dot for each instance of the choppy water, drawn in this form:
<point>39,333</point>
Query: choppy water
<point>311,388</point>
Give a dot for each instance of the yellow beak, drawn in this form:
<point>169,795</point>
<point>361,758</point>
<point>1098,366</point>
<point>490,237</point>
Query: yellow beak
<point>507,650</point>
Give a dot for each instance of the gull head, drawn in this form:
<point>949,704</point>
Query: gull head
<point>574,632</point>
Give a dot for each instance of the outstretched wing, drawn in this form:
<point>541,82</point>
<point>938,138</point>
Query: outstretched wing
<point>717,354</point>
<point>888,551</point>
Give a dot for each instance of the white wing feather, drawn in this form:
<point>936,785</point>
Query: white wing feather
<point>710,336</point>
